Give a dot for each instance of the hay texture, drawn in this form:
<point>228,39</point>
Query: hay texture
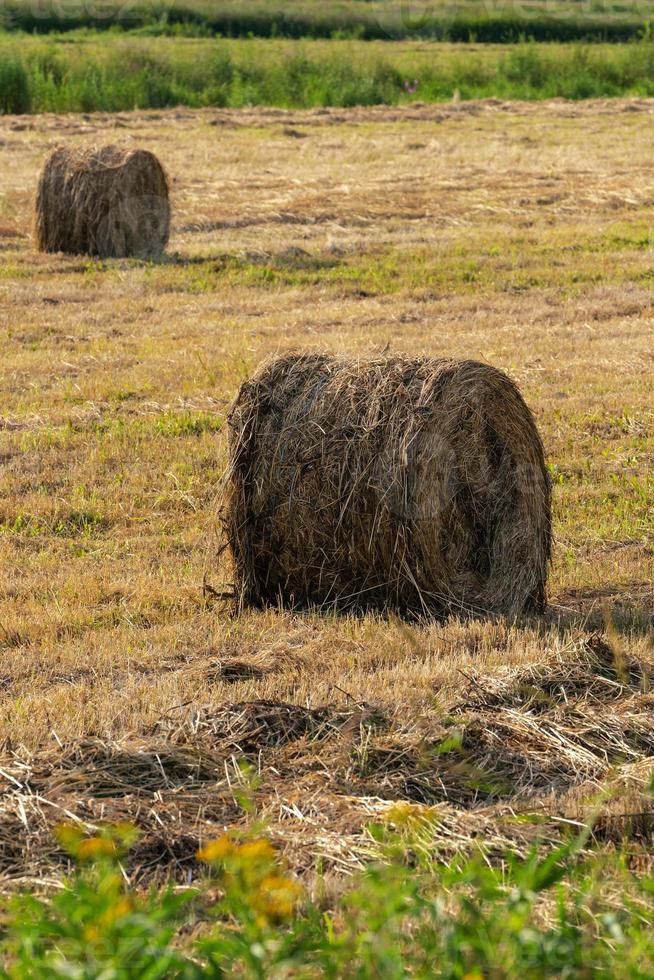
<point>108,202</point>
<point>511,760</point>
<point>413,484</point>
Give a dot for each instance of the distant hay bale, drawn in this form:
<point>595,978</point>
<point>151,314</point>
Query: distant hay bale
<point>108,202</point>
<point>412,484</point>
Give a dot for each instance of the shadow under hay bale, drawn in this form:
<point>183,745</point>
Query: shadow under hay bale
<point>107,202</point>
<point>413,484</point>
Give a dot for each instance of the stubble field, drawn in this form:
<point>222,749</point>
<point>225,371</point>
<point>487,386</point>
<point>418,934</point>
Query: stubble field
<point>517,234</point>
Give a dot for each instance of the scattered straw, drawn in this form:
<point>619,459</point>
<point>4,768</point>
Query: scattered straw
<point>522,758</point>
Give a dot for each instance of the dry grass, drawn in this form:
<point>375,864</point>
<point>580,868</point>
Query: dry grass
<point>106,202</point>
<point>412,484</point>
<point>519,236</point>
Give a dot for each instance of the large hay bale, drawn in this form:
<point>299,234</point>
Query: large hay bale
<point>108,202</point>
<point>407,483</point>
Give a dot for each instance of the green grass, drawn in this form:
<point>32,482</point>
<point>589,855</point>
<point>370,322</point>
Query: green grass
<point>364,19</point>
<point>493,259</point>
<point>554,916</point>
<point>100,72</point>
<point>15,95</point>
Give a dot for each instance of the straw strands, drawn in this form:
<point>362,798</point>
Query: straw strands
<point>108,202</point>
<point>417,484</point>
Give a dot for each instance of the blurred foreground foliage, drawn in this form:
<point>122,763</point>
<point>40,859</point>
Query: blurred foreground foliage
<point>559,914</point>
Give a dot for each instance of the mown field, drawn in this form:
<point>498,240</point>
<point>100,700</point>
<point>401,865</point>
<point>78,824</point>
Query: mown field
<point>519,234</point>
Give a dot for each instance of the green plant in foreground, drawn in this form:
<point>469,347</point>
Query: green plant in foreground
<point>94,927</point>
<point>405,917</point>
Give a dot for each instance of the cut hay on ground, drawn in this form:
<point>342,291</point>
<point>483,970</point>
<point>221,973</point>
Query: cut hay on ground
<point>108,202</point>
<point>524,758</point>
<point>414,484</point>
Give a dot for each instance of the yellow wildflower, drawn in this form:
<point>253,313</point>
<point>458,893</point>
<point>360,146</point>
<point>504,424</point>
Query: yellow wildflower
<point>69,836</point>
<point>257,851</point>
<point>217,850</point>
<point>276,898</point>
<point>96,847</point>
<point>118,910</point>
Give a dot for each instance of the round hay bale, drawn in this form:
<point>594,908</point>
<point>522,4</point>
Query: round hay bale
<point>413,484</point>
<point>108,202</point>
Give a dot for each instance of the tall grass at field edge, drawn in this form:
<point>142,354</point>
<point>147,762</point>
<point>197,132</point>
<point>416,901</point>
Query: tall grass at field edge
<point>121,74</point>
